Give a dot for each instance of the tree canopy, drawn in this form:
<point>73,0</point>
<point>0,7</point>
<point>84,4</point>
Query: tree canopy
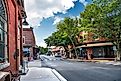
<point>101,17</point>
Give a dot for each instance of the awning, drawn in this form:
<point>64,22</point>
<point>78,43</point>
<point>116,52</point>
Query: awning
<point>96,44</point>
<point>55,49</point>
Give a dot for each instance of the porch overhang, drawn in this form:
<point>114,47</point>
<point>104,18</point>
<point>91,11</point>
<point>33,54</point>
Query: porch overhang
<point>96,45</point>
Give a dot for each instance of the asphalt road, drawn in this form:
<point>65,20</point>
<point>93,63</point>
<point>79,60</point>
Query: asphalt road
<point>83,71</point>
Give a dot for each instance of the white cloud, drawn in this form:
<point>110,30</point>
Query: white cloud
<point>57,19</point>
<point>84,2</point>
<point>37,9</point>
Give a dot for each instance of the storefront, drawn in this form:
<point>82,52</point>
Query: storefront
<point>97,50</point>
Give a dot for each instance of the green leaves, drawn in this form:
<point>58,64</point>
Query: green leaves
<point>69,27</point>
<point>106,19</point>
<point>102,18</point>
<point>65,29</point>
<point>43,50</point>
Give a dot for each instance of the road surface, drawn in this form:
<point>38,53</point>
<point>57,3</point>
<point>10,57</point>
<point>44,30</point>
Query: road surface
<point>83,71</point>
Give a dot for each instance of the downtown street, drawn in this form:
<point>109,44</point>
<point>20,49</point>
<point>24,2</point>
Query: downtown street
<point>80,71</point>
<point>60,40</point>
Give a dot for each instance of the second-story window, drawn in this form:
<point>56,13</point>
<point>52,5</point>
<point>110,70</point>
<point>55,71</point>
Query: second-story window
<point>23,39</point>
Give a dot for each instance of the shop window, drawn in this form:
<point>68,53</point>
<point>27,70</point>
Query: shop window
<point>3,33</point>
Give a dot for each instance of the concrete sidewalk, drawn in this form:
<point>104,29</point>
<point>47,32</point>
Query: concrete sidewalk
<point>37,73</point>
<point>118,63</point>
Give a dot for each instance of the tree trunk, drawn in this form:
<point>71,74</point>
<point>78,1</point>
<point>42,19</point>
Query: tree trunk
<point>118,52</point>
<point>66,52</point>
<point>74,47</point>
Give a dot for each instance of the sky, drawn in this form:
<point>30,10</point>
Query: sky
<point>43,15</point>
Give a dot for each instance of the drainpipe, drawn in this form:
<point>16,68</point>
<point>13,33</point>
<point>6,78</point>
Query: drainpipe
<point>16,40</point>
<point>21,43</point>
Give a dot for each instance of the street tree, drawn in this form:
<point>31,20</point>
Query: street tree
<point>58,39</point>
<point>43,50</point>
<point>69,27</point>
<point>103,17</point>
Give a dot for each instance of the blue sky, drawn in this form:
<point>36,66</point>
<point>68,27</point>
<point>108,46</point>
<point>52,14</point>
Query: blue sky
<point>43,18</point>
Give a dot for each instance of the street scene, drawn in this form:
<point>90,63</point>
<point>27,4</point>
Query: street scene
<point>60,40</point>
<point>72,70</point>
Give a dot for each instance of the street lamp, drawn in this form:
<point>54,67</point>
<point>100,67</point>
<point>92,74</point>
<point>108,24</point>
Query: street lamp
<point>25,22</point>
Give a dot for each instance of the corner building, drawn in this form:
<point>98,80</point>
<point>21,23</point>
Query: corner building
<point>11,14</point>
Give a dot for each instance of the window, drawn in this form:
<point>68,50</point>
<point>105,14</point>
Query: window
<point>3,33</point>
<point>23,39</point>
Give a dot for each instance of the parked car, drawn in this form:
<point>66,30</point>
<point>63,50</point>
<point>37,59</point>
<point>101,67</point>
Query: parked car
<point>49,53</point>
<point>57,55</point>
<point>26,53</point>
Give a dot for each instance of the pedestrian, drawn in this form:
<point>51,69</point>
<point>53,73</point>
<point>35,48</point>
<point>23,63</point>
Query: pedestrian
<point>83,54</point>
<point>91,55</point>
<point>86,57</point>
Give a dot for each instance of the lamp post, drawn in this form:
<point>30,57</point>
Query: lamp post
<point>24,63</point>
<point>25,22</point>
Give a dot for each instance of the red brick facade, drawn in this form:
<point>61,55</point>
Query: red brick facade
<point>29,41</point>
<point>15,13</point>
<point>29,37</point>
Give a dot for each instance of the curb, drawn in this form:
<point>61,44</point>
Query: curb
<point>96,61</point>
<point>82,61</point>
<point>60,77</point>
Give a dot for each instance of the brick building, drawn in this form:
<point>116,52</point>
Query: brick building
<point>11,14</point>
<point>28,42</point>
<point>100,48</point>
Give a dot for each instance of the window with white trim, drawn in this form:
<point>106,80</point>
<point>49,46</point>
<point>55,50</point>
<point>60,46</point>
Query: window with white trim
<point>3,33</point>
